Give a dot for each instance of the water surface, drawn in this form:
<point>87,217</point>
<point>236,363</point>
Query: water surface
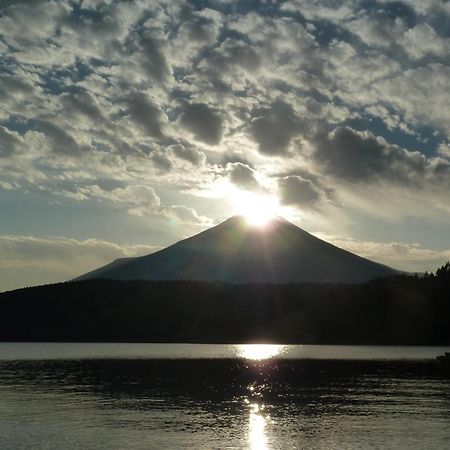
<point>51,350</point>
<point>108,396</point>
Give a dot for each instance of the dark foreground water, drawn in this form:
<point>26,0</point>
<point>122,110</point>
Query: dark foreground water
<point>129,396</point>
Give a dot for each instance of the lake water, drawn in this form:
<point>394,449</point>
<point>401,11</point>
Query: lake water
<point>175,396</point>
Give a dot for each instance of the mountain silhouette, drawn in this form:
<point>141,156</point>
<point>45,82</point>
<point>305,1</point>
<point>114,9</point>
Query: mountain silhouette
<point>236,252</point>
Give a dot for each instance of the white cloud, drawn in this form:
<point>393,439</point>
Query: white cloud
<point>402,256</point>
<point>423,40</point>
<point>187,216</point>
<point>139,200</point>
<point>420,94</point>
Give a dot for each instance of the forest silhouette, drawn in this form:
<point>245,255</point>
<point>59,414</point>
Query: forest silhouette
<point>397,310</point>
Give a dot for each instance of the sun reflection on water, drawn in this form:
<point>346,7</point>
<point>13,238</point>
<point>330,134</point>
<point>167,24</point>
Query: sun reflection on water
<point>259,351</point>
<point>257,439</point>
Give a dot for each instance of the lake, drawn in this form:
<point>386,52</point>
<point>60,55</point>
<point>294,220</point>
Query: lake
<point>174,396</point>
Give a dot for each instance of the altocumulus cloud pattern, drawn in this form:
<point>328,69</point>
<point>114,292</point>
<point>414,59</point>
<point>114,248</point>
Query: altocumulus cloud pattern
<point>152,111</point>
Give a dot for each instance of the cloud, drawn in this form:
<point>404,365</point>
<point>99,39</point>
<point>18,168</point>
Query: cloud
<point>382,24</point>
<point>242,176</point>
<point>166,94</point>
<point>444,150</point>
<point>203,121</point>
<point>361,157</point>
<point>298,191</point>
<point>423,41</point>
<point>419,93</point>
<point>202,28</point>
<point>188,153</point>
<point>161,161</point>
<point>273,128</point>
<point>233,54</point>
<point>400,255</point>
<point>28,260</point>
<point>10,142</point>
<point>153,59</point>
<point>437,14</point>
<point>84,103</point>
<point>144,113</point>
<point>187,215</point>
<point>15,88</point>
<point>139,200</point>
<point>25,30</point>
<point>60,140</point>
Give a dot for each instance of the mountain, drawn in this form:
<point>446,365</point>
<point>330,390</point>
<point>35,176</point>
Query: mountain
<point>237,252</point>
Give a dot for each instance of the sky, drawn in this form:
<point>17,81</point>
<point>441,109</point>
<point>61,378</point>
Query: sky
<point>128,125</point>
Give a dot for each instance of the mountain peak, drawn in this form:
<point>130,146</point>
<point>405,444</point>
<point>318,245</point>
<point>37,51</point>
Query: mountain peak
<point>236,251</point>
<point>240,220</point>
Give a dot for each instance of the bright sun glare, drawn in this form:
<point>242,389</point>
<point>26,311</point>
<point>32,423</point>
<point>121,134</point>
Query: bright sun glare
<point>257,209</point>
<point>260,351</point>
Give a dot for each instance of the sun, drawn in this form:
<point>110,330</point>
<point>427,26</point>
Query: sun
<point>258,218</point>
<point>258,209</point>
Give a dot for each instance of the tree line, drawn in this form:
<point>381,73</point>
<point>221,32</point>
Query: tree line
<point>396,310</point>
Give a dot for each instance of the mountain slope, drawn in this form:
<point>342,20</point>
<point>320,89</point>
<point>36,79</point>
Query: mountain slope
<point>237,252</point>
